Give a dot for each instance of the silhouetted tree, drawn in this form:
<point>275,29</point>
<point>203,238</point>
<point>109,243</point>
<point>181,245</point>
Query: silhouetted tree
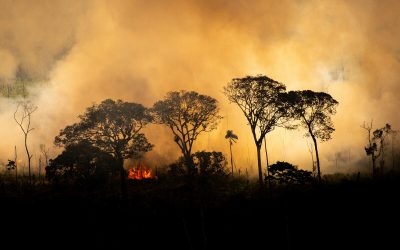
<point>11,165</point>
<point>187,114</point>
<point>261,100</point>
<point>286,173</point>
<point>178,168</point>
<point>206,164</point>
<point>16,164</point>
<point>232,139</point>
<point>314,111</point>
<point>371,148</point>
<point>114,127</point>
<point>266,159</point>
<point>80,163</point>
<point>382,133</point>
<point>376,144</point>
<point>22,117</point>
<point>210,163</point>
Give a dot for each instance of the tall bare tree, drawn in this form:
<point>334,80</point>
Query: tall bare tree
<point>267,160</point>
<point>262,102</point>
<point>187,114</point>
<point>313,110</point>
<point>232,139</point>
<point>22,117</point>
<point>371,149</point>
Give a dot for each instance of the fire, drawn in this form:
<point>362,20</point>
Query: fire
<point>140,172</point>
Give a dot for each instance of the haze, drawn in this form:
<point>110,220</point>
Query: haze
<point>82,52</point>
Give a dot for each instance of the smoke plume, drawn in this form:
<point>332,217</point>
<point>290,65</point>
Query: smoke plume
<point>81,52</point>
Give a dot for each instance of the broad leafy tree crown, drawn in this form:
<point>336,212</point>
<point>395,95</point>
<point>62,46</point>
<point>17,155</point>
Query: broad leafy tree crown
<point>261,99</point>
<point>187,114</point>
<point>314,111</point>
<point>113,126</point>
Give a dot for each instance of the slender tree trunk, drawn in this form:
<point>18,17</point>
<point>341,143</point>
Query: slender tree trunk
<point>120,164</point>
<point>230,147</point>
<point>16,165</point>
<point>373,165</point>
<point>260,179</point>
<point>29,158</point>
<point>266,156</point>
<point>312,159</point>
<point>317,156</point>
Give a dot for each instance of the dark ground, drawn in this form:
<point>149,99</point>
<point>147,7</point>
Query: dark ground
<point>344,215</point>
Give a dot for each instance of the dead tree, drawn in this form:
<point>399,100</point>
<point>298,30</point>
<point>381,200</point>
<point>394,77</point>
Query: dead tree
<point>371,147</point>
<point>376,145</point>
<point>22,117</point>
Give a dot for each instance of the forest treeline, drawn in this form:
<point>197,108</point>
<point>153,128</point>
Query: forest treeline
<point>111,132</point>
<point>202,200</point>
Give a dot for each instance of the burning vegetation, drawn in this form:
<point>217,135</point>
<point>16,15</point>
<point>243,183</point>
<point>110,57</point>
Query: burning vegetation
<point>140,172</point>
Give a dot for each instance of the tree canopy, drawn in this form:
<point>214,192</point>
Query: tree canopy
<point>313,110</point>
<point>232,139</point>
<point>187,114</point>
<point>206,164</point>
<point>231,136</point>
<point>113,126</point>
<point>262,101</point>
<point>286,173</point>
<point>80,163</point>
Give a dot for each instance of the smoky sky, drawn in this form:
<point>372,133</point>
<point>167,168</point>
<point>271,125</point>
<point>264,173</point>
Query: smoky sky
<point>85,51</point>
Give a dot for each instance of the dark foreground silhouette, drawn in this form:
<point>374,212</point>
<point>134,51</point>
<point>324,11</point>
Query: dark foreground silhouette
<point>167,214</point>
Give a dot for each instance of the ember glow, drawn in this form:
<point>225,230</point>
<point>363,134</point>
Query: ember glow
<point>140,172</point>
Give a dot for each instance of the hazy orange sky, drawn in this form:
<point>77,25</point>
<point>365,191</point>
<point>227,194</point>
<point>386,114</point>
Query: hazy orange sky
<point>85,51</point>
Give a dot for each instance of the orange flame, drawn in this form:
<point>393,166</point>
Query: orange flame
<point>139,173</point>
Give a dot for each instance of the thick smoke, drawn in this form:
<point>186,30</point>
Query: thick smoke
<point>85,51</point>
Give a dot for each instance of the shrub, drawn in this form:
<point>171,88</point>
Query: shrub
<point>287,174</point>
